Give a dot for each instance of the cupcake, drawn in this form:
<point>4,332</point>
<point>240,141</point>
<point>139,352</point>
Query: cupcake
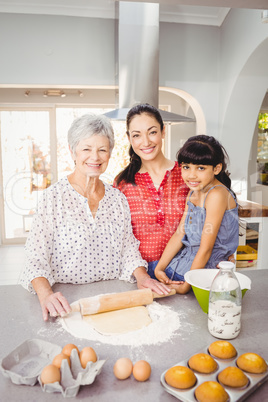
<point>180,377</point>
<point>211,391</point>
<point>203,363</point>
<point>233,377</point>
<point>252,363</point>
<point>222,350</point>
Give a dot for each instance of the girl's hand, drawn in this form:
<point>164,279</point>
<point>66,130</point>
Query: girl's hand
<point>162,277</point>
<point>54,304</point>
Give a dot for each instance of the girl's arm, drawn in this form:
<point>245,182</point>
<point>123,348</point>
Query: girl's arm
<point>172,248</point>
<point>216,205</point>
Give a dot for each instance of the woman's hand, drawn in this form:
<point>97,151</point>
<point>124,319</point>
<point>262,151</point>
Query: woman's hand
<point>145,281</point>
<point>53,304</point>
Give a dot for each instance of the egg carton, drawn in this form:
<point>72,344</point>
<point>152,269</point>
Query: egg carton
<point>73,377</point>
<point>24,364</point>
<point>239,394</point>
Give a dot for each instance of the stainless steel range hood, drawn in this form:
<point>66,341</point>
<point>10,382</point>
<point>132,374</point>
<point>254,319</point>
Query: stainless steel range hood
<point>137,55</point>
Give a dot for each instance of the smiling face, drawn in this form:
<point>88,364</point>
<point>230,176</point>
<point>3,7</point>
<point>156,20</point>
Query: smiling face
<point>92,156</point>
<point>199,177</point>
<point>145,136</point>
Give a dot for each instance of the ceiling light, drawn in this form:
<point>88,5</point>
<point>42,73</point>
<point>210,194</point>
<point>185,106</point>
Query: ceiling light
<point>54,92</point>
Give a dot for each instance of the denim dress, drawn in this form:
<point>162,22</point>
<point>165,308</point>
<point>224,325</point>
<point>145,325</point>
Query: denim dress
<point>226,241</point>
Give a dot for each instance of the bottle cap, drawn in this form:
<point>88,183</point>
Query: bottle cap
<point>226,264</point>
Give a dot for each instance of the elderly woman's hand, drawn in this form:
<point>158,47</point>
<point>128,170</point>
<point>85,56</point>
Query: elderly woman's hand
<point>53,304</point>
<point>145,281</point>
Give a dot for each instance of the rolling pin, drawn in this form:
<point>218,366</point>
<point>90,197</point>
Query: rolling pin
<point>116,301</point>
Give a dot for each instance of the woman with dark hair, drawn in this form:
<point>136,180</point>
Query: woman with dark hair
<point>208,232</point>
<point>152,183</point>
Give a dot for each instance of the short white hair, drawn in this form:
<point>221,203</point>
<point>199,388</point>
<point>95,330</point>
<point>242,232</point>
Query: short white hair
<point>88,125</point>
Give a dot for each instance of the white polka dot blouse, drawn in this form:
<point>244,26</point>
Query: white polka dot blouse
<point>67,245</point>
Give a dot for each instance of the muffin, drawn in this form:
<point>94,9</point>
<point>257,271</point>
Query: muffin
<point>180,377</point>
<point>222,350</point>
<point>233,377</point>
<point>203,363</point>
<point>252,363</point>
<point>211,391</point>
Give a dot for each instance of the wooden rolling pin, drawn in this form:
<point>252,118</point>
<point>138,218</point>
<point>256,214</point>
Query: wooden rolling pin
<point>116,301</point>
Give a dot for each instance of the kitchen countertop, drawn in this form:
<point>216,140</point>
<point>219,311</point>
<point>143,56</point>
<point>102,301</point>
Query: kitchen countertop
<point>21,320</point>
<point>252,209</point>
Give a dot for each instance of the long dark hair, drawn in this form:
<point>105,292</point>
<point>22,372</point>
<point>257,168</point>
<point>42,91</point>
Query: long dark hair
<point>206,150</point>
<point>128,174</point>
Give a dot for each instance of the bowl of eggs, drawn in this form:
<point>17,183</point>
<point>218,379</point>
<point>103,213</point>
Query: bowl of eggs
<point>201,280</point>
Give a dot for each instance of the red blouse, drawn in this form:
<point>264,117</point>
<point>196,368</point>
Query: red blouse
<point>155,214</point>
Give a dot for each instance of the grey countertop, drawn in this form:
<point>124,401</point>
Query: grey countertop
<point>21,320</point>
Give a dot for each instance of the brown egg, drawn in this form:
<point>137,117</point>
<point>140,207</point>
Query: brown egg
<point>86,355</point>
<point>58,359</point>
<point>50,374</point>
<point>141,370</point>
<point>123,368</point>
<point>67,349</point>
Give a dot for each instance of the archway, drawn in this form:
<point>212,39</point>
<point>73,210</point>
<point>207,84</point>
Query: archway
<point>242,113</point>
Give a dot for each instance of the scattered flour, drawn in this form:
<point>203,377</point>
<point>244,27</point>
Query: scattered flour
<point>165,322</point>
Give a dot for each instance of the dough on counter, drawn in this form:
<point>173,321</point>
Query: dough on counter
<point>119,321</point>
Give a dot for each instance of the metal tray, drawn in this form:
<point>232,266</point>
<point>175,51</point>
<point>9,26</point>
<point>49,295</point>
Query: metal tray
<point>255,380</point>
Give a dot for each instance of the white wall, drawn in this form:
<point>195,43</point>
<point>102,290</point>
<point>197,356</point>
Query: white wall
<point>41,49</point>
<point>225,69</point>
<point>189,60</point>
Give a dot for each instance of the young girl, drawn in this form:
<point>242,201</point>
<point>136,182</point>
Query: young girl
<point>208,232</point>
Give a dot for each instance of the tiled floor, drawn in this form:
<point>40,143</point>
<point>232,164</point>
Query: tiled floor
<point>11,264</point>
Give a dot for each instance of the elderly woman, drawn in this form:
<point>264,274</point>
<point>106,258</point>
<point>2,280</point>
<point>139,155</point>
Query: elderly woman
<point>82,230</point>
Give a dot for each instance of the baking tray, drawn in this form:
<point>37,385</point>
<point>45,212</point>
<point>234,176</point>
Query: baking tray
<point>255,380</point>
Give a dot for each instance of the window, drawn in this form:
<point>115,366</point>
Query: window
<point>262,156</point>
<point>25,155</point>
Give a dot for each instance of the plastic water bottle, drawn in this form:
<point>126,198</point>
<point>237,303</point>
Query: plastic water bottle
<point>225,299</point>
